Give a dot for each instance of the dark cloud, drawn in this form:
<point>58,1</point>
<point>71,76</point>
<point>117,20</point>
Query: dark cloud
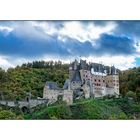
<point>129,28</point>
<point>39,44</point>
<point>100,22</point>
<point>77,48</point>
<point>12,45</point>
<point>107,44</point>
<point>25,47</point>
<point>115,45</point>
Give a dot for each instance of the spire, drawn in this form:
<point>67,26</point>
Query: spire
<point>110,70</point>
<point>76,77</point>
<point>115,71</point>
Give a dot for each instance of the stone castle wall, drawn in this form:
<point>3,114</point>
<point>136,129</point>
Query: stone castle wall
<point>93,83</point>
<point>52,95</point>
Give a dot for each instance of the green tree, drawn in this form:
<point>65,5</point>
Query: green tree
<point>8,115</point>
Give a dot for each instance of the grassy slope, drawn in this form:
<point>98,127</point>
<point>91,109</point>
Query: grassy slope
<point>88,109</point>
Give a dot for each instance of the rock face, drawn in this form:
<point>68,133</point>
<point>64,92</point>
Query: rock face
<point>88,80</point>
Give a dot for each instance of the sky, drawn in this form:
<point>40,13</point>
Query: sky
<point>108,42</point>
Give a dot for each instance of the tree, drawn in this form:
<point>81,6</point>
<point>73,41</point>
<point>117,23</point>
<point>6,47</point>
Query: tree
<point>5,114</point>
<point>138,94</point>
<point>131,94</point>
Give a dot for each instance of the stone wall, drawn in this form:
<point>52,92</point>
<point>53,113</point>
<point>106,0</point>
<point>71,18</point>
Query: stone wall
<point>110,91</point>
<point>75,85</point>
<point>52,95</point>
<point>113,82</point>
<point>86,90</point>
<point>68,96</point>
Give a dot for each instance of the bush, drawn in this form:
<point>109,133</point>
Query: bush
<point>138,96</point>
<point>53,112</point>
<point>131,94</point>
<point>8,115</point>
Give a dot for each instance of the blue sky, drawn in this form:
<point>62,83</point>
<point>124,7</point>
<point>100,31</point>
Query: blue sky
<point>108,42</point>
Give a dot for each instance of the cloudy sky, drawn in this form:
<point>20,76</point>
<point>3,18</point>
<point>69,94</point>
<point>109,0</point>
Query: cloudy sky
<point>108,42</point>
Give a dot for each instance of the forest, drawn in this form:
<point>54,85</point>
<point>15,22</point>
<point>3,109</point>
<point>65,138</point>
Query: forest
<point>31,77</point>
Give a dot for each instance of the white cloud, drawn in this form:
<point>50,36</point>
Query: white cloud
<point>27,29</point>
<point>120,62</point>
<point>76,29</point>
<point>3,28</point>
<point>4,63</point>
<point>73,29</point>
<point>11,62</point>
<point>6,30</point>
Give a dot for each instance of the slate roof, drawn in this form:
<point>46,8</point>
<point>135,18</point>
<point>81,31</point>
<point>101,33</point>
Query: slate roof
<point>66,84</point>
<point>76,77</point>
<point>52,85</point>
<point>98,67</point>
<point>113,69</point>
<point>83,64</point>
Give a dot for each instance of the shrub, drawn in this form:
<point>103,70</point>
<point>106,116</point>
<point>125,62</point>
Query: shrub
<point>131,94</point>
<point>8,115</point>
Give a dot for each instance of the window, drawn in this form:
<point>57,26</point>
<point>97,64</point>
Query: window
<point>95,80</point>
<point>99,80</point>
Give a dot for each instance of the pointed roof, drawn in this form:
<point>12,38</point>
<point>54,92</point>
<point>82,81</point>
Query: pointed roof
<point>52,85</point>
<point>66,84</point>
<point>76,77</point>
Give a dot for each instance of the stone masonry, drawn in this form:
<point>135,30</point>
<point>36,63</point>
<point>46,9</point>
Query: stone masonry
<point>88,80</point>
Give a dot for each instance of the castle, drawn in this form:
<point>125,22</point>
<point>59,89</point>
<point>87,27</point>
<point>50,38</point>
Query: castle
<point>88,80</point>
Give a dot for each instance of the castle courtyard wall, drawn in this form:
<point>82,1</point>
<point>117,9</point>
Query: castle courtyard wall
<point>52,95</point>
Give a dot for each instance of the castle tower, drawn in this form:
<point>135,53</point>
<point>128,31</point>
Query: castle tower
<point>72,68</point>
<point>71,71</point>
<point>86,89</point>
<point>112,80</point>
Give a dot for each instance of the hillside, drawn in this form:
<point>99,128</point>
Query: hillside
<point>130,81</point>
<point>123,108</point>
<point>31,77</point>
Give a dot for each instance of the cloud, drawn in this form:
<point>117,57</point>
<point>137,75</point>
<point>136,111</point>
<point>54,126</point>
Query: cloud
<point>129,28</point>
<point>4,63</point>
<point>65,40</point>
<point>13,45</point>
<point>5,30</point>
<point>80,30</point>
<point>121,62</point>
<point>25,47</point>
<point>115,45</point>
